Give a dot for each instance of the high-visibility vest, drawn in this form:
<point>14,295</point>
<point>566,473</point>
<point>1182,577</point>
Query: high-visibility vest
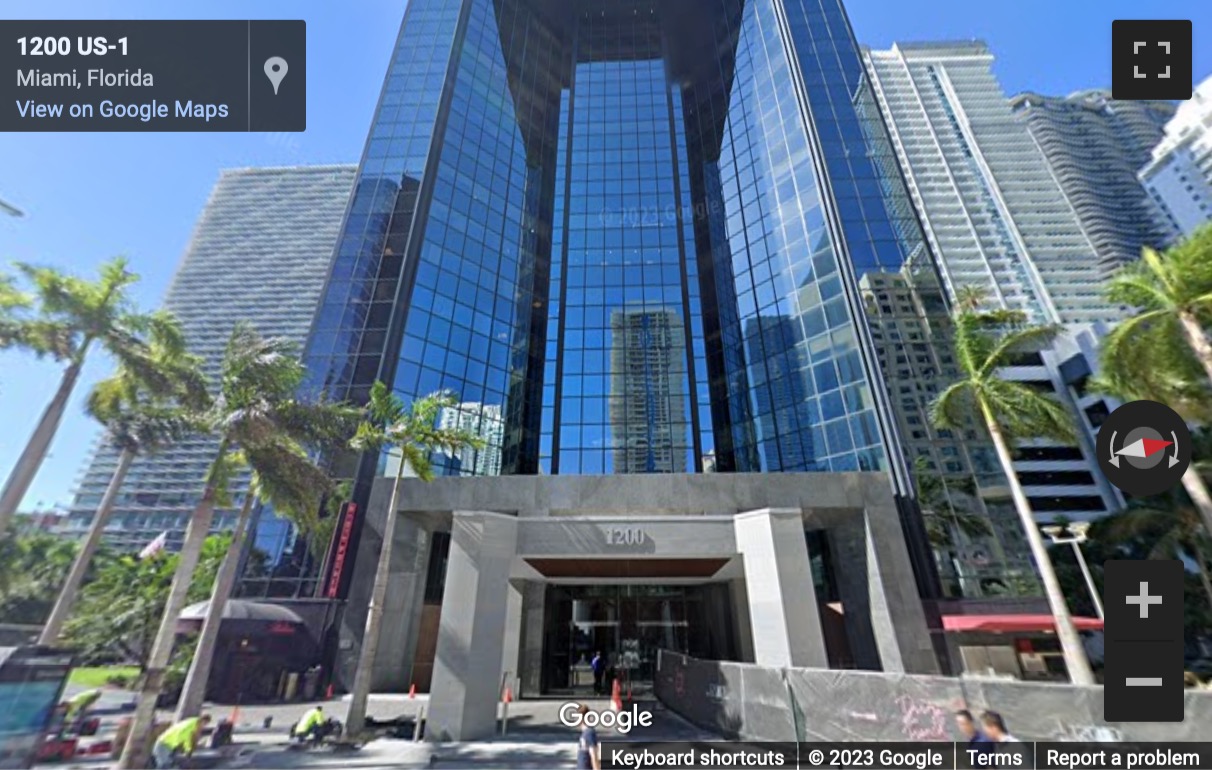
<point>181,736</point>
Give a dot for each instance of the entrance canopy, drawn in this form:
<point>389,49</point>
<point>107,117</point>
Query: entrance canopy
<point>1013,623</point>
<point>627,568</point>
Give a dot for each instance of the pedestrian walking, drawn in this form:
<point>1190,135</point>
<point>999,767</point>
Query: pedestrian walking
<point>598,665</point>
<point>995,728</point>
<point>977,740</point>
<point>589,754</point>
<point>179,740</point>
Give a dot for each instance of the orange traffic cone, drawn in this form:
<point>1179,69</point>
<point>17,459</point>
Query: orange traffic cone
<point>328,693</point>
<point>412,691</point>
<point>235,716</point>
<point>508,695</point>
<point>616,697</point>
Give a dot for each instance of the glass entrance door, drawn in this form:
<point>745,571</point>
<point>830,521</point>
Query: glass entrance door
<point>628,625</point>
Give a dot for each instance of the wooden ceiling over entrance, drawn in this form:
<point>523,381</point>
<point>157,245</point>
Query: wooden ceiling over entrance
<point>627,568</point>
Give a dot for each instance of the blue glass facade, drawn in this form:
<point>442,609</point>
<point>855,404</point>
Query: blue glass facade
<point>631,235</point>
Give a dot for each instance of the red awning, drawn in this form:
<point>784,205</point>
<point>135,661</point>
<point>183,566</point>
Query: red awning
<point>1013,623</point>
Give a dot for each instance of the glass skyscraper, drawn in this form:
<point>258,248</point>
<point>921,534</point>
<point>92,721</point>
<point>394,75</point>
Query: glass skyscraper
<point>632,237</point>
<point>550,188</point>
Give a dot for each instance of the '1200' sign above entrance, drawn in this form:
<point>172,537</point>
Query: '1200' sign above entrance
<point>617,536</point>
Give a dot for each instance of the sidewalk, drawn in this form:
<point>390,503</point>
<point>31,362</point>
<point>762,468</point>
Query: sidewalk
<point>535,737</point>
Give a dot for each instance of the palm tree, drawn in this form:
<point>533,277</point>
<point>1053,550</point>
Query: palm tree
<point>411,433</point>
<point>12,302</point>
<point>984,343</point>
<point>258,424</point>
<point>74,315</point>
<point>1173,294</point>
<point>1170,528</point>
<point>144,405</point>
<point>1144,357</point>
<point>284,475</point>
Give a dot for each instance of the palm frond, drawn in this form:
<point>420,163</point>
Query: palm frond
<point>1026,413</point>
<point>1138,285</point>
<point>1027,339</point>
<point>955,407</point>
<point>286,478</point>
<point>412,430</point>
<point>317,423</point>
<point>384,408</point>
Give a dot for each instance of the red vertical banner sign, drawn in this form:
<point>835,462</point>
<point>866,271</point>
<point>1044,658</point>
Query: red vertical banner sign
<point>340,550</point>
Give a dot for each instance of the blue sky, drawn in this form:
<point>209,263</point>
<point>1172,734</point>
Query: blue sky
<point>92,196</point>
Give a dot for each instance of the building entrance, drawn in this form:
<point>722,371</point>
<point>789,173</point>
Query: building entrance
<point>628,624</point>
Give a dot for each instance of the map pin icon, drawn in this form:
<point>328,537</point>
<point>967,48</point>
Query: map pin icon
<point>275,70</point>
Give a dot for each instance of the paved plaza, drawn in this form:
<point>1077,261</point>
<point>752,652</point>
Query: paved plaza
<point>534,738</point>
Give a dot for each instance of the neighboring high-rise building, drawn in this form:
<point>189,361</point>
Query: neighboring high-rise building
<point>992,209</point>
<point>1000,222</point>
<point>1095,145</point>
<point>974,530</point>
<point>1179,175</point>
<point>260,254</point>
<point>606,219</point>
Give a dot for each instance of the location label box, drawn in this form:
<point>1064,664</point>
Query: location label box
<point>153,76</point>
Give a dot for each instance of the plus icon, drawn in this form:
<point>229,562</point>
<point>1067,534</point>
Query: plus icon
<point>1144,600</point>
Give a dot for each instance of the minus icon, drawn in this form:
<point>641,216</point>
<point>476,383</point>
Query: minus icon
<point>1143,681</point>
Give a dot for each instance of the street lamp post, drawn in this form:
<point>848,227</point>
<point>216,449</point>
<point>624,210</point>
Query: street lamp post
<point>1077,533</point>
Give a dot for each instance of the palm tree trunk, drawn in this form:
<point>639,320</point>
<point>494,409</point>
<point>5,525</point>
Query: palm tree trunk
<point>1198,491</point>
<point>1197,339</point>
<point>1071,644</point>
<point>75,578</point>
<point>193,694</point>
<point>1202,568</point>
<point>355,721</point>
<point>138,746</point>
<point>27,466</point>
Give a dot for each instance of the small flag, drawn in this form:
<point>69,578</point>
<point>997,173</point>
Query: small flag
<point>154,547</point>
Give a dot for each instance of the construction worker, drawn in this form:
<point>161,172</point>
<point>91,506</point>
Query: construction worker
<point>77,708</point>
<point>312,727</point>
<point>181,738</point>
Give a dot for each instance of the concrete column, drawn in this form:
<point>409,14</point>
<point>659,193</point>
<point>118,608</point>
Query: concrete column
<point>534,594</point>
<point>786,625</point>
<point>740,611</point>
<point>511,648</point>
<point>897,618</point>
<point>848,551</point>
<point>402,608</point>
<point>467,667</point>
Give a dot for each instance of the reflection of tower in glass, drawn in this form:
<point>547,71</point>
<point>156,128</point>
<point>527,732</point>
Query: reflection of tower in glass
<point>647,398</point>
<point>483,420</point>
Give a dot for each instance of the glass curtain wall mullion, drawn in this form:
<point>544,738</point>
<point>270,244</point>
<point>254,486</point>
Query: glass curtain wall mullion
<point>569,137</point>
